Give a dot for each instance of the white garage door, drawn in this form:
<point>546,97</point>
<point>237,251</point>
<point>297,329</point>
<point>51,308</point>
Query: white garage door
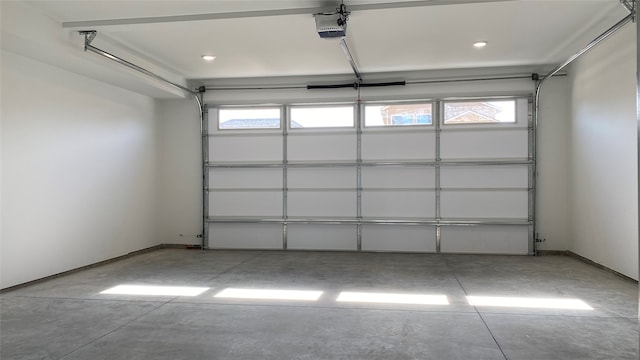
<point>425,176</point>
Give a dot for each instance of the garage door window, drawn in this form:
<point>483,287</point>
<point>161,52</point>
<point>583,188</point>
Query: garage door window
<point>480,112</point>
<point>401,114</point>
<point>305,117</point>
<point>249,118</point>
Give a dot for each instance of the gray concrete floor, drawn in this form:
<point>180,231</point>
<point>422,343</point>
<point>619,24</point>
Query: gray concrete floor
<point>69,318</point>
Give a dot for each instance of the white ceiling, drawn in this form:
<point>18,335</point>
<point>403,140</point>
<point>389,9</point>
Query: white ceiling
<point>264,38</point>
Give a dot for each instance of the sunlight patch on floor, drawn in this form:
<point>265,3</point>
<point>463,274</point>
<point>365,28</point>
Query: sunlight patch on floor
<point>520,302</point>
<point>152,290</point>
<point>392,298</point>
<point>269,294</point>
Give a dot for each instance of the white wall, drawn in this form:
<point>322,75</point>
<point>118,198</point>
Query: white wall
<point>179,172</point>
<point>604,189</point>
<point>78,170</point>
<point>553,165</point>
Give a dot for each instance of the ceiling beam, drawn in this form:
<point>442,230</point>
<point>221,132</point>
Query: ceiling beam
<point>263,13</point>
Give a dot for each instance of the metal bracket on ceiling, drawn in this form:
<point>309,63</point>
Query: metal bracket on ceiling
<point>89,35</point>
<point>631,6</point>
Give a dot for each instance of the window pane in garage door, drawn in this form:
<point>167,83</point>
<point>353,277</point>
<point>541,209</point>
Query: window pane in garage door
<point>480,112</point>
<point>258,118</point>
<point>398,114</point>
<point>322,117</point>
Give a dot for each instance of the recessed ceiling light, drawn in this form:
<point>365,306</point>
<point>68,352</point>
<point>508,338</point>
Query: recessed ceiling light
<point>480,44</point>
<point>208,57</point>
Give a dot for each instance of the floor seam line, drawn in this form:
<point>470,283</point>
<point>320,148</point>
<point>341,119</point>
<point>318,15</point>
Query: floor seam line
<point>476,310</point>
<point>322,307</point>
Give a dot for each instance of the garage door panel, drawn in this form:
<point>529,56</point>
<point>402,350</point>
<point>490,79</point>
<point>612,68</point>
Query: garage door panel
<point>485,176</point>
<point>246,203</point>
<point>322,147</point>
<point>321,203</point>
<point>245,236</point>
<point>484,204</point>
<point>327,178</point>
<point>245,148</point>
<point>485,239</point>
<point>239,178</point>
<point>321,237</point>
<point>299,175</point>
<point>500,144</point>
<point>397,204</point>
<point>398,177</point>
<point>398,238</point>
<point>398,146</point>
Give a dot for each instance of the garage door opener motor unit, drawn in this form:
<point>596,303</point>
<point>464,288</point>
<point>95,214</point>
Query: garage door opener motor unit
<point>332,25</point>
